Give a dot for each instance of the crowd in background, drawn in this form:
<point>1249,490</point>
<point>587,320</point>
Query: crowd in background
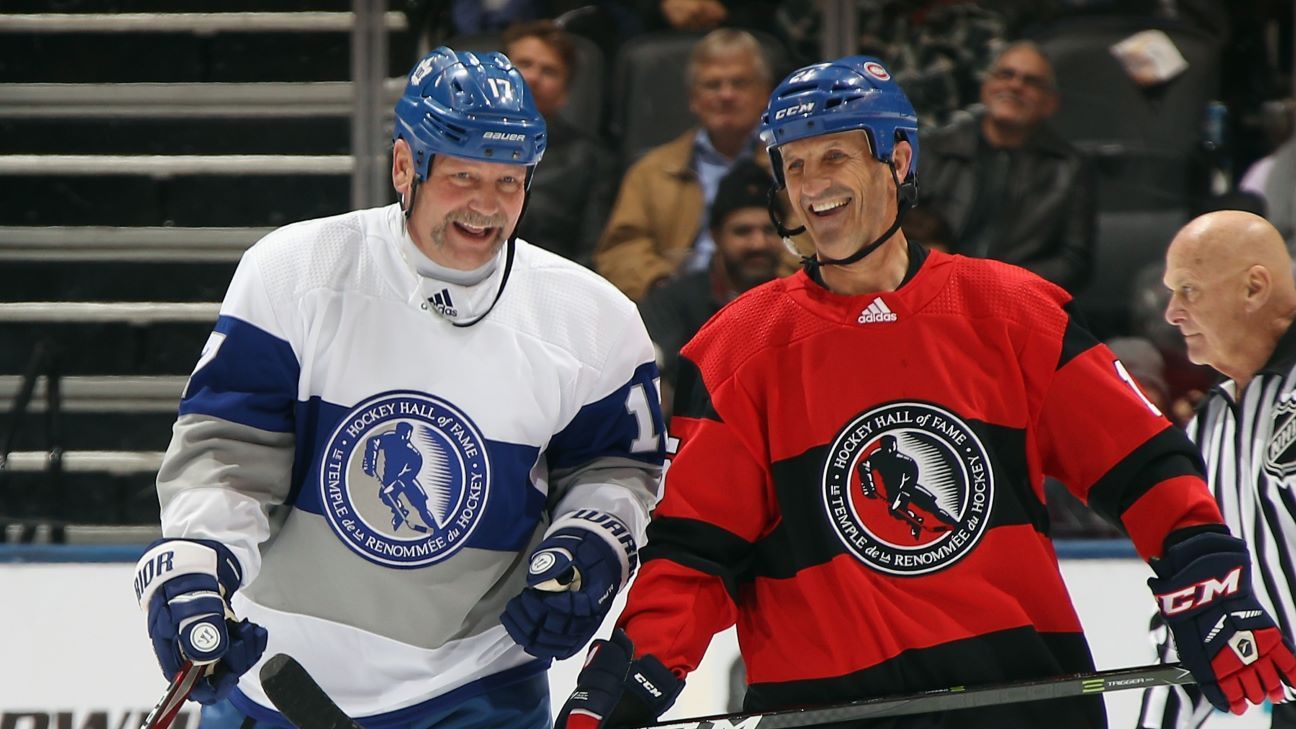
<point>661,185</point>
<point>682,228</point>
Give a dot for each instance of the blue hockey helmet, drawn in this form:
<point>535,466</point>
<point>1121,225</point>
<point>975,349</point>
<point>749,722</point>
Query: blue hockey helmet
<point>855,92</point>
<point>469,105</point>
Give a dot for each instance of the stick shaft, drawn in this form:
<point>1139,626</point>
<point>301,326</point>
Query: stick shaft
<point>168,707</point>
<point>950,699</point>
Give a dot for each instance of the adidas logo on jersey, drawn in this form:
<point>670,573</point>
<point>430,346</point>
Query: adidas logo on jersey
<point>876,312</point>
<point>443,304</point>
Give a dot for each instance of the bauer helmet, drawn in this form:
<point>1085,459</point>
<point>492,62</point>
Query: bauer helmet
<point>469,105</point>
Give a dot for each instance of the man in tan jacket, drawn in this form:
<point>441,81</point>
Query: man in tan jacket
<point>658,225</point>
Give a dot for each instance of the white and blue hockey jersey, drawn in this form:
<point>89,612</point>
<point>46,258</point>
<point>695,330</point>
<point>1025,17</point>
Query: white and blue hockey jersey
<point>383,475</point>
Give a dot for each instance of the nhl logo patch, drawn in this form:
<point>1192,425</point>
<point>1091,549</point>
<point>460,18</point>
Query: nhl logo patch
<point>907,488</point>
<point>1280,449</point>
<point>405,479</point>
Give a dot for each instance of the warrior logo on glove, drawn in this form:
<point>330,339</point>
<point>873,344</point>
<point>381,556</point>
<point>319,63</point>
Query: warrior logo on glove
<point>405,479</point>
<point>908,488</point>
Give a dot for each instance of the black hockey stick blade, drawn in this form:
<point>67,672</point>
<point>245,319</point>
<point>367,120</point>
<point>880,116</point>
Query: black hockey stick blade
<point>296,695</point>
<point>958,697</point>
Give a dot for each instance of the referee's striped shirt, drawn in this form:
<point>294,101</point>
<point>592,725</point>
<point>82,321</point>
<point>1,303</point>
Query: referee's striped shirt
<point>1249,446</point>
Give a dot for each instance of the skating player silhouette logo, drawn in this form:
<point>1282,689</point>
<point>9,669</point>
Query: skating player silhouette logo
<point>908,488</point>
<point>405,479</point>
<point>395,462</point>
<point>892,476</point>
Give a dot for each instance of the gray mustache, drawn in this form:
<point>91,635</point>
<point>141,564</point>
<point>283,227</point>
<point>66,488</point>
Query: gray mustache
<point>478,220</point>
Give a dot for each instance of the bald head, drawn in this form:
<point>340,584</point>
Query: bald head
<point>1232,290</point>
<point>1229,239</point>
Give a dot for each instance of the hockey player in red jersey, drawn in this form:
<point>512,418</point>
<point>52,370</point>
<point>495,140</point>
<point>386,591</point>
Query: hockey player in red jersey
<point>944,388</point>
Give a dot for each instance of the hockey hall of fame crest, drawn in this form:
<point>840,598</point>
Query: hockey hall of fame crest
<point>907,488</point>
<point>404,479</point>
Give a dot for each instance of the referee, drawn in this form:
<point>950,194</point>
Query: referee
<point>1234,299</point>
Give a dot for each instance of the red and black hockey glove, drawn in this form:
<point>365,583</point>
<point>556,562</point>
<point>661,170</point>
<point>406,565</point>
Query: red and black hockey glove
<point>1224,636</point>
<point>614,689</point>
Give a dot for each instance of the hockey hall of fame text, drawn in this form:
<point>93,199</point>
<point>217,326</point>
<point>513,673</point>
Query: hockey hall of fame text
<point>907,488</point>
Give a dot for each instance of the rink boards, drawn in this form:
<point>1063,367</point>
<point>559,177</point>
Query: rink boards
<point>76,654</point>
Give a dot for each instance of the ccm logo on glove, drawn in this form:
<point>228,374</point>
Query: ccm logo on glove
<point>648,685</point>
<point>1201,593</point>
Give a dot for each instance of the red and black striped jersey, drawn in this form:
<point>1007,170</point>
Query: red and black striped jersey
<point>858,484</point>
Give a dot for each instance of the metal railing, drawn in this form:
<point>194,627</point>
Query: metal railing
<point>198,23</point>
<point>99,312</point>
<point>103,243</point>
<point>177,164</point>
<point>99,394</point>
<point>184,100</point>
<point>114,462</point>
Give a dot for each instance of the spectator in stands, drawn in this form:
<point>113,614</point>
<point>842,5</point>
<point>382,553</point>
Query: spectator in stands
<point>572,191</point>
<point>1010,187</point>
<point>658,226</point>
<point>749,252</point>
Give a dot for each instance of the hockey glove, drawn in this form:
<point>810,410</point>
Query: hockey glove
<point>1224,636</point>
<point>573,577</point>
<point>616,690</point>
<point>184,586</point>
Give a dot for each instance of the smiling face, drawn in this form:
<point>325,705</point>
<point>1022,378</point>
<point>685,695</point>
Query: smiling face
<point>1018,92</point>
<point>465,209</point>
<point>845,197</point>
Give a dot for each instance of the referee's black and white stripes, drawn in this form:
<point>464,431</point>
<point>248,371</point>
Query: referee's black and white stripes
<point>1249,446</point>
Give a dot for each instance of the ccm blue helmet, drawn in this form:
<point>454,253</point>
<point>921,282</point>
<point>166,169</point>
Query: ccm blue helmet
<point>855,92</point>
<point>851,93</point>
<point>474,106</point>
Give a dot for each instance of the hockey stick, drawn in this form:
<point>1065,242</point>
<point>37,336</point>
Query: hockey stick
<point>292,690</point>
<point>166,709</point>
<point>296,695</point>
<point>958,697</point>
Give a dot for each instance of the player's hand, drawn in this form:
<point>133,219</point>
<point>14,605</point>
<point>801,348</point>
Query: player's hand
<point>1223,635</point>
<point>184,587</point>
<point>616,690</point>
<point>572,580</point>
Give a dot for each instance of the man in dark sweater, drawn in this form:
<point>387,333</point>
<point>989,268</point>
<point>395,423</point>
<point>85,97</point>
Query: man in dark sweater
<point>1009,187</point>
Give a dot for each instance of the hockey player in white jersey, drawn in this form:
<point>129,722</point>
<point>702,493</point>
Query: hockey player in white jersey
<point>416,454</point>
